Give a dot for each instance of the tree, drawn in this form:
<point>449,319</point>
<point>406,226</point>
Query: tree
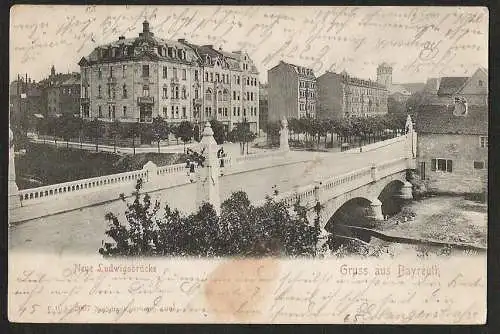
<point>185,132</point>
<point>67,127</point>
<point>159,130</point>
<point>53,127</point>
<point>241,133</point>
<point>240,230</point>
<point>394,106</point>
<point>219,131</point>
<point>115,129</point>
<point>132,131</point>
<point>94,130</point>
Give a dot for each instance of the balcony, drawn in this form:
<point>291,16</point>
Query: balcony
<point>197,102</point>
<point>145,100</point>
<point>84,100</point>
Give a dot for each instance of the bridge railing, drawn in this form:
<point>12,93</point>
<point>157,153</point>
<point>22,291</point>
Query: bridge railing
<point>334,186</point>
<point>61,189</point>
<point>373,146</point>
<point>72,187</point>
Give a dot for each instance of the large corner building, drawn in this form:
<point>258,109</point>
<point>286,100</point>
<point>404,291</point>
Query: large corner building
<point>137,79</point>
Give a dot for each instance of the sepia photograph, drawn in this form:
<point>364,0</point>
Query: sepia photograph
<point>248,164</point>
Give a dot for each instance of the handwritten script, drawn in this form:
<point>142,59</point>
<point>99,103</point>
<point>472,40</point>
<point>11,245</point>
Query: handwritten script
<point>250,290</point>
<point>436,40</point>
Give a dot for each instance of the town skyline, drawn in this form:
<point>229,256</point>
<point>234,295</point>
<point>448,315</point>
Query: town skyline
<point>438,41</point>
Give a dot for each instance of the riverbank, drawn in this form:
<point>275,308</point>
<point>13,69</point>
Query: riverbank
<point>453,219</point>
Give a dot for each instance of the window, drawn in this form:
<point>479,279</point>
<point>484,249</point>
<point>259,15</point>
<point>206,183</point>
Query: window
<point>183,74</point>
<point>113,108</point>
<point>124,70</point>
<point>244,111</point>
<point>184,96</point>
<point>145,90</point>
<point>478,164</point>
<point>124,111</point>
<point>174,70</point>
<point>208,95</point>
<point>145,71</point>
<point>217,78</point>
<point>211,77</point>
<point>219,96</point>
<point>196,94</point>
<point>165,112</point>
<point>226,95</point>
<point>165,92</point>
<point>234,111</point>
<point>165,71</point>
<point>176,92</point>
<point>225,111</point>
<point>176,112</point>
<point>109,91</point>
<point>480,83</point>
<point>239,111</point>
<point>99,73</point>
<point>206,76</point>
<point>111,71</point>
<point>124,91</point>
<point>442,165</point>
<point>483,141</point>
<point>172,111</point>
<point>196,75</point>
<point>238,80</point>
<point>184,112</point>
<point>100,111</point>
<point>113,92</point>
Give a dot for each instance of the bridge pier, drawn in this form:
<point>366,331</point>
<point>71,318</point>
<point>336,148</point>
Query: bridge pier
<point>207,185</point>
<point>407,191</point>
<point>13,191</point>
<point>376,208</point>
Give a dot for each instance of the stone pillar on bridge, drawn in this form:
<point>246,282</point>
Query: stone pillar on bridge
<point>376,207</point>
<point>208,176</point>
<point>284,135</point>
<point>152,170</point>
<point>13,192</point>
<point>373,172</point>
<point>407,191</point>
<point>411,138</point>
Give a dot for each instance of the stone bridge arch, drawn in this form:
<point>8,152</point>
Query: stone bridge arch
<point>368,193</point>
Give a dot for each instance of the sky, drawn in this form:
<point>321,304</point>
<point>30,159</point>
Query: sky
<point>419,42</point>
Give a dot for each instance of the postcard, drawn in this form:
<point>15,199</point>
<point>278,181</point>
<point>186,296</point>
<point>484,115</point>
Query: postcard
<point>248,164</point>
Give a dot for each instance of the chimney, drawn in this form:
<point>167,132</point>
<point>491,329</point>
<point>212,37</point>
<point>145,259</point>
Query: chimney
<point>121,38</point>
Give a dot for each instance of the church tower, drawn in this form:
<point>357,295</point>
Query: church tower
<point>384,75</point>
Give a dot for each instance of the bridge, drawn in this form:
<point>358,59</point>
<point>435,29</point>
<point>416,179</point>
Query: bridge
<point>69,217</point>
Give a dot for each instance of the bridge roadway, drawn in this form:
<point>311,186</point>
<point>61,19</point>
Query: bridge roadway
<point>82,230</point>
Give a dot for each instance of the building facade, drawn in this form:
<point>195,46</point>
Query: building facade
<point>137,79</point>
<point>341,95</point>
<point>263,106</point>
<point>25,102</point>
<point>60,93</point>
<point>292,92</point>
<point>452,150</point>
<point>400,92</point>
<point>446,90</point>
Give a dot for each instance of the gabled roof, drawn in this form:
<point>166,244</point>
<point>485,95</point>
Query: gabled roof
<point>450,85</point>
<point>439,119</point>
